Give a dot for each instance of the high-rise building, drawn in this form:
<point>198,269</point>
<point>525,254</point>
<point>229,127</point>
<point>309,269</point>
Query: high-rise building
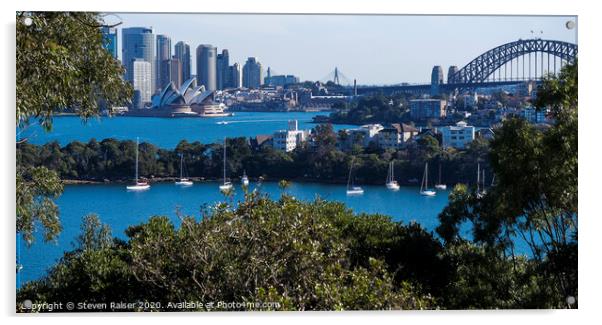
<point>176,72</point>
<point>206,64</point>
<point>142,82</point>
<point>163,54</point>
<point>109,36</point>
<point>252,75</point>
<point>138,43</point>
<point>235,76</point>
<point>436,80</point>
<point>170,71</point>
<point>223,65</point>
<point>183,55</point>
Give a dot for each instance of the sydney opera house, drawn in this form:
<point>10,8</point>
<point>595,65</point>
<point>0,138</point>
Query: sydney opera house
<point>189,100</point>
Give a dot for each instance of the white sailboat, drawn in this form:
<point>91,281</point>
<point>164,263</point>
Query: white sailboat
<point>138,185</point>
<point>245,179</point>
<point>483,190</point>
<point>480,190</point>
<point>424,190</point>
<point>182,181</point>
<point>391,182</point>
<point>226,185</point>
<point>351,188</point>
<point>439,185</point>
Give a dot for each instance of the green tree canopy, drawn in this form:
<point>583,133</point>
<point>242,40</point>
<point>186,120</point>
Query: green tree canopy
<point>61,65</point>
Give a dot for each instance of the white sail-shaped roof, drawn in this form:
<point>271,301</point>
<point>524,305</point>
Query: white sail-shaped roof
<point>189,93</point>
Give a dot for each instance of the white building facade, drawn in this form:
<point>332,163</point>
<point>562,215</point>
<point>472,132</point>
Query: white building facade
<point>458,136</point>
<point>142,82</point>
<point>288,140</point>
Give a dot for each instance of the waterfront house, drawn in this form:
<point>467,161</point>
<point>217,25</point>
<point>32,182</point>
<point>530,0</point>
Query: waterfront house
<point>363,136</point>
<point>288,140</point>
<point>458,136</point>
<point>395,135</point>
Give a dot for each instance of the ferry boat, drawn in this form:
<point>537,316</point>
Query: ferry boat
<point>214,110</point>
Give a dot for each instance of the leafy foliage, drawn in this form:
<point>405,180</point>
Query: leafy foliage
<point>286,251</point>
<point>535,195</point>
<point>61,65</point>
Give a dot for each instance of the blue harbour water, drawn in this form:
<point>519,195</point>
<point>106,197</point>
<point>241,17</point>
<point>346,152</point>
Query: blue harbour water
<point>120,209</point>
<point>167,132</point>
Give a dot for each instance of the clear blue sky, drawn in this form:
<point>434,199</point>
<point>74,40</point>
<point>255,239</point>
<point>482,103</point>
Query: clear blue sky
<point>373,49</point>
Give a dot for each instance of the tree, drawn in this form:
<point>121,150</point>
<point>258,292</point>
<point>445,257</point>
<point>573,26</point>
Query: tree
<point>61,65</point>
<point>535,195</point>
<point>287,251</point>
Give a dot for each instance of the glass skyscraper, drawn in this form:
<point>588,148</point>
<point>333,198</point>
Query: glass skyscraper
<point>183,55</point>
<point>163,54</point>
<point>138,43</point>
<point>206,65</point>
<point>223,65</point>
<point>252,74</point>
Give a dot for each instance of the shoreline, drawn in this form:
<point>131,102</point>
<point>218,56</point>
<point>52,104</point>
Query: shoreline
<point>213,180</point>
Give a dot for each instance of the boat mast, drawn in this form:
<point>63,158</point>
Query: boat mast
<point>224,160</point>
<point>137,143</point>
<point>349,178</point>
<point>483,180</point>
<point>440,173</point>
<point>181,162</point>
<point>389,174</point>
<point>478,176</point>
<point>423,184</point>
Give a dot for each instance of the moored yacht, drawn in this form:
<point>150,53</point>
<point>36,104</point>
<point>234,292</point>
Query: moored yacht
<point>391,182</point>
<point>138,185</point>
<point>226,185</point>
<point>351,188</point>
<point>424,190</point>
<point>182,181</point>
<point>440,185</point>
<point>245,179</point>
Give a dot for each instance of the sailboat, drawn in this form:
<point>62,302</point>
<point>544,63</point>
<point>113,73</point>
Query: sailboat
<point>245,179</point>
<point>480,191</point>
<point>439,185</point>
<point>425,182</point>
<point>352,189</point>
<point>226,186</point>
<point>483,190</point>
<point>183,181</point>
<point>139,185</point>
<point>391,182</point>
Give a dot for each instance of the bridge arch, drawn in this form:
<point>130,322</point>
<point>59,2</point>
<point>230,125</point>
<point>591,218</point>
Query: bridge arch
<point>486,64</point>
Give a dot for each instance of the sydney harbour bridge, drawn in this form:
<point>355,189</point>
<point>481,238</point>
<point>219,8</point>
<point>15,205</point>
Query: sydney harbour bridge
<point>505,65</point>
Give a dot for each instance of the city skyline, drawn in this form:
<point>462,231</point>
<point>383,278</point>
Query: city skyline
<point>282,42</point>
